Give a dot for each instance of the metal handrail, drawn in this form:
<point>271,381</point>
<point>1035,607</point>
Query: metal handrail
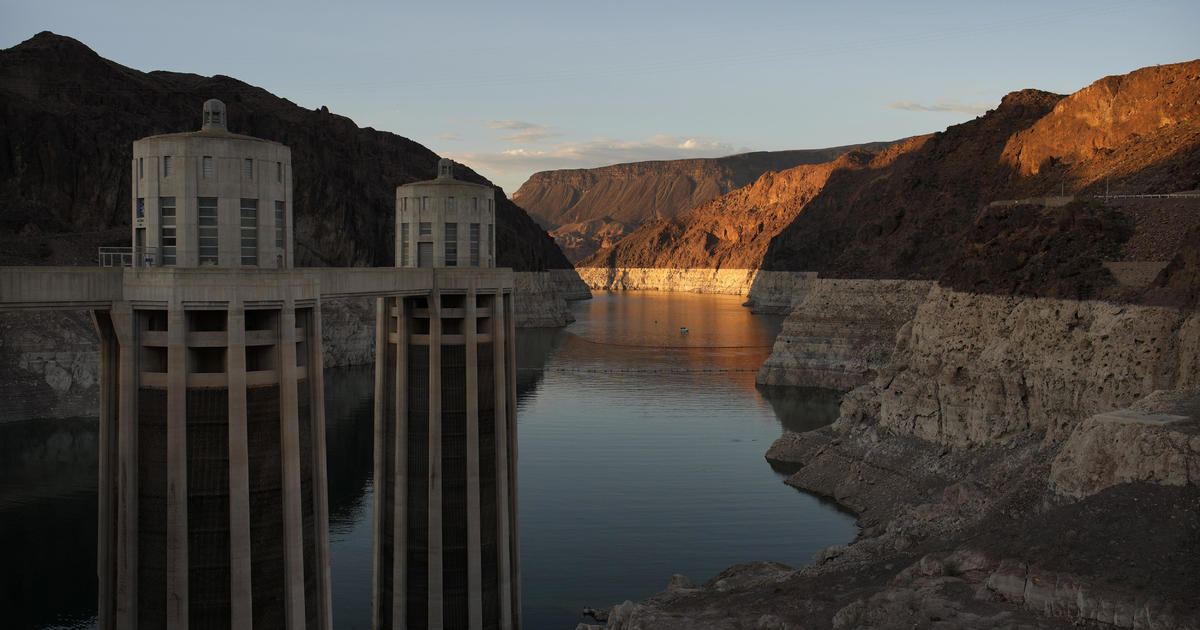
<point>129,257</point>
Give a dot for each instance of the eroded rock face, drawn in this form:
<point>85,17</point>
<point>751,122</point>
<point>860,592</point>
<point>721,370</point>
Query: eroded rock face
<point>1158,441</point>
<point>537,302</point>
<point>841,333</point>
<point>981,369</point>
<point>50,366</point>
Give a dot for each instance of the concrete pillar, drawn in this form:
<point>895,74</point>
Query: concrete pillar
<point>241,601</point>
<point>320,481</point>
<point>177,486</point>
<point>381,359</point>
<point>435,459</point>
<point>504,564</point>
<point>400,487</point>
<point>510,363</point>
<point>293,530</point>
<point>127,380</point>
<point>474,571</point>
<point>106,521</point>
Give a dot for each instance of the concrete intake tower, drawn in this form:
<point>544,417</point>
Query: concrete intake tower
<point>446,553</point>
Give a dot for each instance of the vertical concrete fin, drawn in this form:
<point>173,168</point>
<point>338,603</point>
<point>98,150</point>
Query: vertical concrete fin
<point>177,484</point>
<point>293,535</point>
<point>241,605</point>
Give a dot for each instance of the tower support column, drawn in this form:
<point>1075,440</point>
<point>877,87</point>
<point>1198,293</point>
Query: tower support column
<point>474,571</point>
<point>177,485</point>
<point>241,601</point>
<point>504,568</point>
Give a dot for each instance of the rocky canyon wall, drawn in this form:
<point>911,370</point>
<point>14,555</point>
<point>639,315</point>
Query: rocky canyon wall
<point>841,332</point>
<point>984,369</point>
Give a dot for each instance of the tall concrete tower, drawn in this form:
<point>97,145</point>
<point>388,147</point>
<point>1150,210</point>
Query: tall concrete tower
<point>446,553</point>
<point>213,508</point>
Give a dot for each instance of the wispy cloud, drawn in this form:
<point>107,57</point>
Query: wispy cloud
<point>522,132</point>
<point>973,109</point>
<point>513,166</point>
<point>451,136</point>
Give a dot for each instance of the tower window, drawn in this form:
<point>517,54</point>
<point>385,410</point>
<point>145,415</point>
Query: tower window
<point>168,167</point>
<point>405,247</point>
<point>206,166</point>
<point>166,229</point>
<point>141,170</point>
<point>248,168</point>
<point>474,203</point>
<point>280,231</point>
<point>206,230</point>
<point>474,244</point>
<point>451,241</point>
<point>449,203</point>
<point>249,229</point>
<point>424,228</point>
<point>141,207</point>
<point>424,203</point>
<point>279,171</point>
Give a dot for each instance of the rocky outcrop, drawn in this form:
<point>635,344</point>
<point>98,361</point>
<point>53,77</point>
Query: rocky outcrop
<point>1157,441</point>
<point>537,302</point>
<point>841,333</point>
<point>64,167</point>
<point>981,369</point>
<point>50,366</point>
<point>569,285</point>
<point>587,207</point>
<point>778,292</point>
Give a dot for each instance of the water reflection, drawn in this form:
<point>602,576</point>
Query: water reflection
<point>642,454</point>
<point>48,476</point>
<point>801,409</point>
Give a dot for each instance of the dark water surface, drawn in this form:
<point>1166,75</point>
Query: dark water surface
<point>641,455</point>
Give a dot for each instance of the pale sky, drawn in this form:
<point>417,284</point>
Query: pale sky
<point>511,88</point>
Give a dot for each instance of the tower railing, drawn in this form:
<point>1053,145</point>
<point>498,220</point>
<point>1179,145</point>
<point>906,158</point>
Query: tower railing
<point>129,257</point>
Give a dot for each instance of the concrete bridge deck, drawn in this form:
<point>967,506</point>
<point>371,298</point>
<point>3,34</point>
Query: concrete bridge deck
<point>98,288</point>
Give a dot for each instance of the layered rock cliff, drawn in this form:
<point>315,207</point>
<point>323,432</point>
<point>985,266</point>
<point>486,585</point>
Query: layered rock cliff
<point>841,333</point>
<point>71,117</point>
<point>587,208</point>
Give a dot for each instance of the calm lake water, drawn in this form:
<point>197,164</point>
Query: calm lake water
<point>641,455</point>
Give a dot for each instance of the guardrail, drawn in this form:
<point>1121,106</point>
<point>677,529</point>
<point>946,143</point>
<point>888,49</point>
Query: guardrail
<point>129,257</point>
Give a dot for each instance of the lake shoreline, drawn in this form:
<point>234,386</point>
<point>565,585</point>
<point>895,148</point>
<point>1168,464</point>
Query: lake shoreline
<point>994,480</point>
